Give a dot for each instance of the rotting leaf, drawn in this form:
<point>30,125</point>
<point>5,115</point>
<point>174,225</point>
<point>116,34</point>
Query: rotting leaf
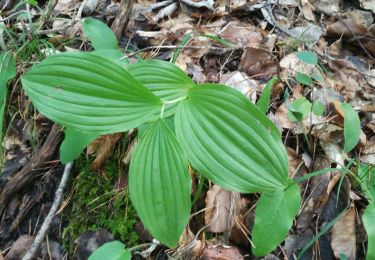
<point>343,239</point>
<point>222,207</point>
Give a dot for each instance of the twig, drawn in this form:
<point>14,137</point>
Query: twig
<point>47,222</point>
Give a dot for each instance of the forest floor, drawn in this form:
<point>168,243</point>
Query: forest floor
<point>241,44</point>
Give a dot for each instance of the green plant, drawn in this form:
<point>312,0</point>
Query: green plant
<point>7,72</point>
<point>214,128</point>
<point>95,202</point>
<point>112,250</point>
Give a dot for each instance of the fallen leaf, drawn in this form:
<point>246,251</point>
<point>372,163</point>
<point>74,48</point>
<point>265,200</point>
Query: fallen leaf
<point>220,252</point>
<point>103,147</point>
<point>344,235</point>
<point>258,63</point>
<point>222,207</point>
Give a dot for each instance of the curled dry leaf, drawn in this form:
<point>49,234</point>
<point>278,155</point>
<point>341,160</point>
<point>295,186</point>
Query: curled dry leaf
<point>103,147</point>
<point>220,252</point>
<point>318,188</point>
<point>343,239</point>
<point>258,63</point>
<point>241,82</point>
<point>189,246</point>
<point>242,34</point>
<point>222,209</point>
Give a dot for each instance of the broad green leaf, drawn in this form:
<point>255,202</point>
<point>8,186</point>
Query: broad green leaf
<point>74,143</point>
<point>164,79</point>
<point>230,141</point>
<point>299,109</point>
<point>90,94</point>
<point>307,57</point>
<point>114,55</point>
<point>100,35</point>
<point>7,72</point>
<point>264,100</point>
<point>159,184</point>
<point>114,250</point>
<point>369,224</point>
<point>317,77</point>
<point>274,216</point>
<point>304,79</point>
<point>318,108</point>
<point>352,127</point>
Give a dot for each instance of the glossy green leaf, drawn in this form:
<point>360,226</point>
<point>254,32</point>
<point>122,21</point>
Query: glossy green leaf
<point>74,143</point>
<point>366,175</point>
<point>89,94</point>
<point>299,109</point>
<point>369,224</point>
<point>164,79</point>
<point>318,108</point>
<point>307,57</point>
<point>304,79</point>
<point>352,127</point>
<point>7,72</point>
<point>230,141</point>
<point>274,216</point>
<point>100,35</point>
<point>114,55</point>
<point>114,250</point>
<point>264,100</point>
<point>159,184</point>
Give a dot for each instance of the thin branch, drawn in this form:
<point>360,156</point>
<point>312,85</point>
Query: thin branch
<point>47,222</point>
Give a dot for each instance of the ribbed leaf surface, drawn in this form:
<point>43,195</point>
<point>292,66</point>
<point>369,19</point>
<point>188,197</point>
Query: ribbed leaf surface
<point>89,93</point>
<point>164,79</point>
<point>230,141</point>
<point>159,184</point>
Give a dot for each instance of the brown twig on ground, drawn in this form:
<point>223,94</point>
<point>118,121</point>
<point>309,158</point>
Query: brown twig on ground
<point>122,19</point>
<point>28,173</point>
<point>47,221</point>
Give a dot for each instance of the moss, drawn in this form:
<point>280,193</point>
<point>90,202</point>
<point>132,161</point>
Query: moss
<point>95,203</point>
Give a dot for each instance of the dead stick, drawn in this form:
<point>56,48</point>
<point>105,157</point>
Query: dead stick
<point>47,222</point>
<point>29,172</point>
<point>122,19</point>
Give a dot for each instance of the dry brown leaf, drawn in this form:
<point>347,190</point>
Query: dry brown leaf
<point>189,246</point>
<point>242,34</point>
<point>258,63</point>
<point>222,208</point>
<point>241,82</point>
<point>103,147</point>
<point>295,163</point>
<point>317,187</point>
<point>307,10</point>
<point>343,239</point>
<point>220,252</point>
